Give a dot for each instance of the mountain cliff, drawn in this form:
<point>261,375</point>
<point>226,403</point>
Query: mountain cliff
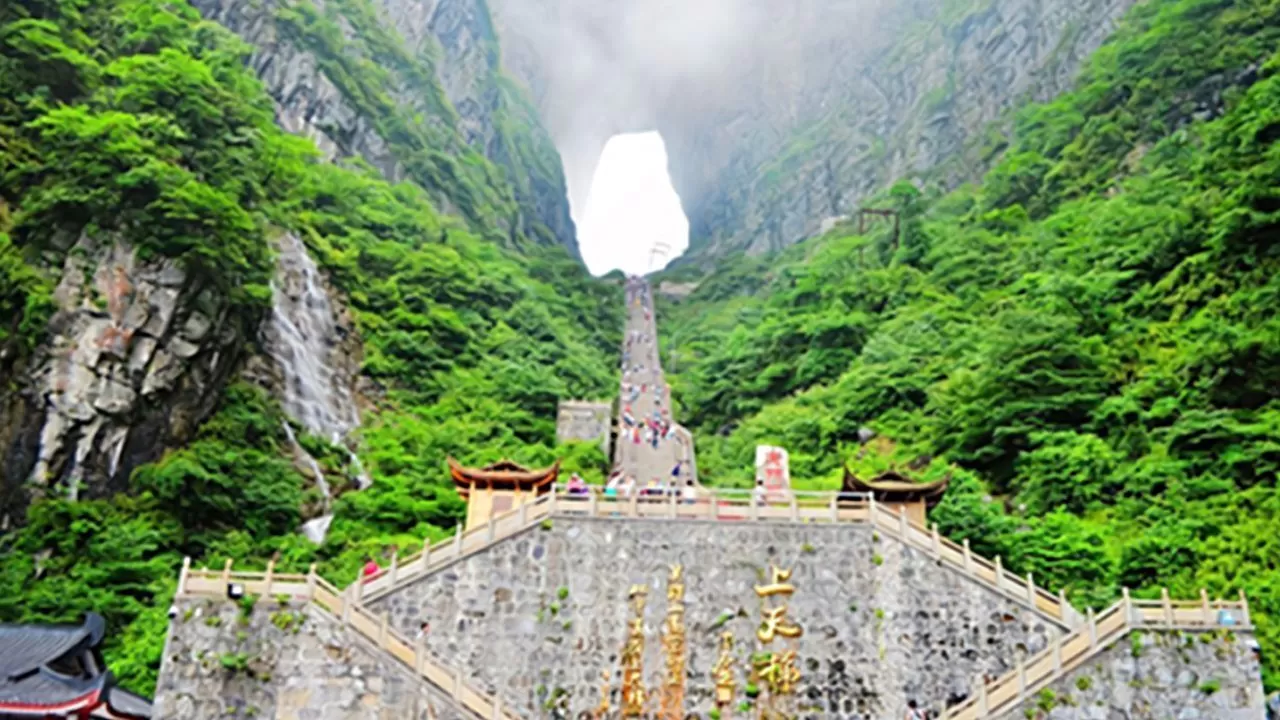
<point>780,118</point>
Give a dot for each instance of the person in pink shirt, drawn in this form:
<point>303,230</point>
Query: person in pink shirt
<point>370,568</point>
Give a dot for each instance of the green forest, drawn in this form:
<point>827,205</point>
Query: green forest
<point>1087,340</point>
<point>136,120</point>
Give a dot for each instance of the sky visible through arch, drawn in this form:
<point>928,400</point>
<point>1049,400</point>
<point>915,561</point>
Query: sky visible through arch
<point>631,207</point>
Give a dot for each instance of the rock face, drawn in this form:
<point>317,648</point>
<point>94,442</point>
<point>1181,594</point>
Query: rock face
<point>1189,676</point>
<point>282,662</point>
<point>779,117</point>
<point>136,356</point>
<point>546,611</point>
<point>445,83</point>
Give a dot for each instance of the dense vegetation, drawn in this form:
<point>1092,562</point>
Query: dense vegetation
<point>135,119</point>
<point>1090,336</point>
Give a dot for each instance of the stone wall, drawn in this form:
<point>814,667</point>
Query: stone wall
<point>545,611</point>
<point>282,662</point>
<point>1182,676</point>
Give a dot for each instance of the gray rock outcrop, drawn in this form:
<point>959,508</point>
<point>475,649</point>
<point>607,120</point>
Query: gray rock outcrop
<point>448,92</point>
<point>135,358</point>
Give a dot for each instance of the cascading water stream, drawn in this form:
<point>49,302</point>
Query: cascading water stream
<point>304,335</point>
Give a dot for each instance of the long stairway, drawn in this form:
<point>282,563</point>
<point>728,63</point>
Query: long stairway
<point>644,398</point>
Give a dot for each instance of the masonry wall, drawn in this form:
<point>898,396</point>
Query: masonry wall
<point>1158,675</point>
<point>289,663</point>
<point>544,612</point>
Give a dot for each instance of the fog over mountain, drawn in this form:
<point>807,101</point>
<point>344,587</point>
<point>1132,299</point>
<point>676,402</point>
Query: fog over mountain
<point>779,116</point>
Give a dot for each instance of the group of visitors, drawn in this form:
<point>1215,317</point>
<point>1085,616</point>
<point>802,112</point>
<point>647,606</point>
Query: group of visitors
<point>624,485</point>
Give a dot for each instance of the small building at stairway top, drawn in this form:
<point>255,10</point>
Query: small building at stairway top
<point>502,486</point>
<point>897,491</point>
<point>57,671</point>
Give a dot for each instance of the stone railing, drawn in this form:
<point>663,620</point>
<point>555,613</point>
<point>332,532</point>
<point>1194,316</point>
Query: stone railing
<point>726,505</point>
<point>345,608</point>
<point>991,699</point>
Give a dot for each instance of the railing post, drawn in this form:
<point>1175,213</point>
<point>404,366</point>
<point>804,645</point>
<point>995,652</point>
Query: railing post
<point>348,600</point>
<point>634,509</point>
<point>1166,605</point>
<point>551,501</point>
<point>871,509</point>
<point>357,588</point>
<point>835,508</point>
<point>593,502</point>
<point>795,507</point>
<point>1057,656</point>
<point>937,541</point>
<point>226,572</point>
<point>999,574</point>
<point>903,526</point>
<point>382,629</point>
<point>755,507</point>
<point>394,571</point>
<point>457,683</point>
<point>1128,606</point>
<point>1204,603</point>
<point>1031,590</point>
<point>674,502</point>
<point>523,514</point>
<point>1244,609</point>
<point>490,529</point>
<point>311,582</point>
<point>713,511</point>
<point>266,579</point>
<point>426,555</point>
<point>1022,679</point>
<point>457,542</point>
<point>182,575</point>
<point>981,691</point>
<point>497,707</point>
<point>1093,628</point>
<point>968,557</point>
<point>1062,604</point>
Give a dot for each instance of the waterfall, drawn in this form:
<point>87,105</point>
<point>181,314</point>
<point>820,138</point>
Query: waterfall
<point>302,338</point>
<point>306,331</point>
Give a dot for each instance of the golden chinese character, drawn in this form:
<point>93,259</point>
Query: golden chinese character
<point>637,597</point>
<point>723,673</point>
<point>774,621</point>
<point>778,585</point>
<point>675,583</point>
<point>778,673</point>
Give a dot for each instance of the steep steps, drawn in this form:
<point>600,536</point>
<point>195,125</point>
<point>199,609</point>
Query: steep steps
<point>342,607</point>
<point>1004,694</point>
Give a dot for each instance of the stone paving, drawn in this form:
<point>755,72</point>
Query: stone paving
<point>644,395</point>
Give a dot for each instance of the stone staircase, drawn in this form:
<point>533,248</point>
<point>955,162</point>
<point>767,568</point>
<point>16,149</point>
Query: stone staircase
<point>1006,693</point>
<point>1087,635</point>
<point>726,506</point>
<point>342,607</point>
